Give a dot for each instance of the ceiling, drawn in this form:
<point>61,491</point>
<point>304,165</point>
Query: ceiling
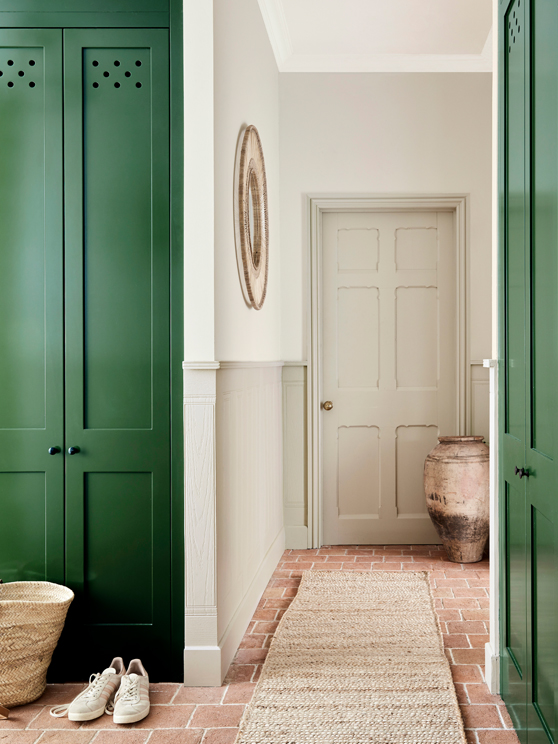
<point>380,35</point>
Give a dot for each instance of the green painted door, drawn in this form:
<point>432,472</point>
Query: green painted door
<point>542,372</point>
<point>116,129</point>
<point>31,306</point>
<point>85,338</point>
<point>530,436</point>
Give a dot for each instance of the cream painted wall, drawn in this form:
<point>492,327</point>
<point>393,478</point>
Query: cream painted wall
<point>384,134</point>
<point>246,91</point>
<point>249,494</point>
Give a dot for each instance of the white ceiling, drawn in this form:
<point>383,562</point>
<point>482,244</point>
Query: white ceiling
<point>380,35</point>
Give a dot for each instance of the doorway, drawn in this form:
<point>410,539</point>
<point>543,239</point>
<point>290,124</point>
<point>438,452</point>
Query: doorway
<point>388,336</point>
<point>85,481</point>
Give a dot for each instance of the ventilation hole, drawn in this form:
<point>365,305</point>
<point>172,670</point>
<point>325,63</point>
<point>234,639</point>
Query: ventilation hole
<point>518,29</point>
<point>127,73</point>
<point>21,73</point>
<point>10,62</point>
<point>32,62</point>
<point>95,63</point>
<point>106,74</point>
<point>116,63</point>
<point>10,84</point>
<point>138,63</point>
<point>95,85</point>
<point>138,85</point>
<point>117,85</point>
<point>514,13</point>
<point>514,39</point>
<point>1,73</point>
<point>31,84</point>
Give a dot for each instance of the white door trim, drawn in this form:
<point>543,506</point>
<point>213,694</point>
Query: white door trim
<point>317,205</point>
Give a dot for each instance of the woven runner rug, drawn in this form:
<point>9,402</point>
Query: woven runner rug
<point>358,657</point>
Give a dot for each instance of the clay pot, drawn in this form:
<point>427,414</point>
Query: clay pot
<point>456,488</point>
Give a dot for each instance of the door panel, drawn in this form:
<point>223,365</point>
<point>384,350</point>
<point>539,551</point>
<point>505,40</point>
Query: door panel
<point>530,654</point>
<point>117,340</point>
<point>31,308</point>
<point>544,609</point>
<point>389,366</point>
<point>542,342</point>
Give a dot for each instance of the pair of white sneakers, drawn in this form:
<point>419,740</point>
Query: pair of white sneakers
<point>122,693</point>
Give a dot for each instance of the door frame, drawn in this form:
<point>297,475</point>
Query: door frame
<point>317,205</point>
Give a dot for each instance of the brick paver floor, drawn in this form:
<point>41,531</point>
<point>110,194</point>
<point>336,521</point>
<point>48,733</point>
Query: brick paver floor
<point>210,715</point>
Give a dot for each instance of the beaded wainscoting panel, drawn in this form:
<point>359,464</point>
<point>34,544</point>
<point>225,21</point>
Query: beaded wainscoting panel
<point>358,657</point>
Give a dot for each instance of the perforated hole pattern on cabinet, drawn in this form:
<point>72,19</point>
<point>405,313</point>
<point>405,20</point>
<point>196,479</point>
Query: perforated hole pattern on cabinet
<point>514,27</point>
<point>20,67</point>
<point>116,68</point>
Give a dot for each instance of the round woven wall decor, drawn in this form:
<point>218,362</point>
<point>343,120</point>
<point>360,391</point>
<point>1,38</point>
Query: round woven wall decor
<point>250,217</point>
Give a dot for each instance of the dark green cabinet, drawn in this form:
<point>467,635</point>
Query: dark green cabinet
<point>528,389</point>
<point>85,334</point>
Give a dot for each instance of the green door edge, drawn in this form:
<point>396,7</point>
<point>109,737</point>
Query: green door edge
<point>501,332</point>
<point>177,338</point>
<point>502,227</point>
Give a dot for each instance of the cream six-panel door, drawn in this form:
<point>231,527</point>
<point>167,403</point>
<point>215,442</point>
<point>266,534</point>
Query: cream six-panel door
<point>389,367</point>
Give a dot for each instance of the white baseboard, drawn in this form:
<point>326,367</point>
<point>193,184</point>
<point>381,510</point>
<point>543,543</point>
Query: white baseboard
<point>296,537</point>
<point>202,666</point>
<point>492,669</point>
<point>237,627</point>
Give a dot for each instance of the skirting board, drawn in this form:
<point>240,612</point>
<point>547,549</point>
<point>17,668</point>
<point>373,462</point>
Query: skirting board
<point>491,670</point>
<point>296,537</point>
<point>234,633</point>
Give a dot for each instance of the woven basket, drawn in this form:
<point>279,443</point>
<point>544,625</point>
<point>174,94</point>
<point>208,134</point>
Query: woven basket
<point>32,615</point>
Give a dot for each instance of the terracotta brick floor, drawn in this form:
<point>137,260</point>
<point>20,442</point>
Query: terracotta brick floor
<point>182,715</point>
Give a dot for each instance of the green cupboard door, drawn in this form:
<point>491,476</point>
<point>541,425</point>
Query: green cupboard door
<point>116,107</point>
<point>514,560</point>
<point>31,308</point>
<point>542,429</point>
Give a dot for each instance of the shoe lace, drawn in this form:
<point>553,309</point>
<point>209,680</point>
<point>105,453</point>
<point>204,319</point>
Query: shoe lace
<point>91,692</point>
<point>130,691</point>
<point>127,693</point>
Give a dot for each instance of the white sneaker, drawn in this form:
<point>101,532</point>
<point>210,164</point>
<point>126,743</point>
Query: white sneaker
<point>94,700</point>
<point>132,699</point>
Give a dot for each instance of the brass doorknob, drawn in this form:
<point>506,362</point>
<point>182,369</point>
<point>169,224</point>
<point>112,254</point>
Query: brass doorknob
<point>328,405</point>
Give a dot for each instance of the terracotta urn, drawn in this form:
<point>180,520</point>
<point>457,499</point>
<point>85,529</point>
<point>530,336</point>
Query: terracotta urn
<point>456,488</point>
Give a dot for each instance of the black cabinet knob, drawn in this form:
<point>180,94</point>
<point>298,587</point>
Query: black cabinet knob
<point>522,472</point>
<point>53,450</point>
<point>73,450</point>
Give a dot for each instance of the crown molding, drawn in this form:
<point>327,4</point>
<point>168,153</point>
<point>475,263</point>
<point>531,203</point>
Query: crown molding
<point>277,30</point>
<point>290,61</point>
<point>387,63</point>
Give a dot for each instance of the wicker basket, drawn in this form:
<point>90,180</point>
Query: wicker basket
<point>32,615</point>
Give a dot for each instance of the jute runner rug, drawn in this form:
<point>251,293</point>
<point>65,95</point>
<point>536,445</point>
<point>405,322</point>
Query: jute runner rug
<point>358,657</point>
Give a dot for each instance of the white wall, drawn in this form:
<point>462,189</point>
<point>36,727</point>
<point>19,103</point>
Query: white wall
<point>384,134</point>
<point>246,88</point>
<point>249,504</point>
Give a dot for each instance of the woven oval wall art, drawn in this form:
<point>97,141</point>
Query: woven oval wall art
<point>250,217</point>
